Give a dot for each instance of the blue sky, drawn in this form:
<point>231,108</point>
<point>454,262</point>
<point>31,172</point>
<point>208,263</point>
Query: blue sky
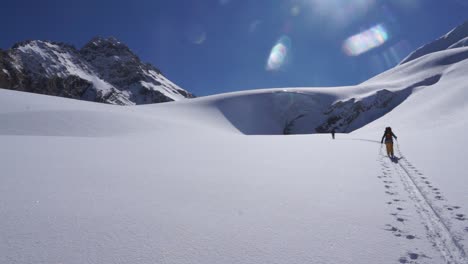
<point>216,46</point>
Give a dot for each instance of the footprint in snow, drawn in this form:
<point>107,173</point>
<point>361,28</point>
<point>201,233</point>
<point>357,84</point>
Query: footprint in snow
<point>440,198</point>
<point>466,229</point>
<point>452,208</point>
<point>460,217</point>
<point>399,209</point>
<point>411,256</point>
<point>395,231</point>
<point>403,260</point>
<point>398,233</point>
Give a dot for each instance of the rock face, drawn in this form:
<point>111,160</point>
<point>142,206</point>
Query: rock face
<point>104,70</point>
<point>345,116</point>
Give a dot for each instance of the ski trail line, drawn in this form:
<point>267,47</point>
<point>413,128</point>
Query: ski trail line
<point>437,230</point>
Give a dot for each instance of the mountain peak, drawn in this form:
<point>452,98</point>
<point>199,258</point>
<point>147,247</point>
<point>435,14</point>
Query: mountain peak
<point>102,42</point>
<point>104,70</point>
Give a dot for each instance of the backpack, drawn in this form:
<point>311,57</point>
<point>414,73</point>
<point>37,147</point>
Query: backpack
<point>388,135</point>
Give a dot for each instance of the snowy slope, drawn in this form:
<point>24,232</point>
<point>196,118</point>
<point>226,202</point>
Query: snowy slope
<point>104,70</point>
<point>454,39</point>
<point>181,182</point>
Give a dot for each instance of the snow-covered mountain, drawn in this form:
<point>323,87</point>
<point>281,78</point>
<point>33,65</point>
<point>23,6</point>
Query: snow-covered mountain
<point>104,70</point>
<point>82,182</point>
<point>456,38</point>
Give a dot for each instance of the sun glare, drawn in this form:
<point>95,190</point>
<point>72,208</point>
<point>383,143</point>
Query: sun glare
<point>279,54</point>
<point>366,41</point>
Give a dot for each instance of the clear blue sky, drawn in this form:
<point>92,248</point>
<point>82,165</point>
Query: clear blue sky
<point>216,46</point>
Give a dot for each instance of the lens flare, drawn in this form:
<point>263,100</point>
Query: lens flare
<point>366,40</point>
<point>279,54</point>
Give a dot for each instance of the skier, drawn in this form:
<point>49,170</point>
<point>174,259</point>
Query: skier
<point>388,136</point>
<point>333,133</point>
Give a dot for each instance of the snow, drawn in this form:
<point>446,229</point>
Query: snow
<point>448,41</point>
<point>461,43</point>
<point>33,46</point>
<point>6,72</point>
<point>167,88</point>
<point>163,89</point>
<point>182,182</point>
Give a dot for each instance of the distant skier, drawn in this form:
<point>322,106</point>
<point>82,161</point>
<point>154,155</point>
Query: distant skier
<point>333,133</point>
<point>388,136</point>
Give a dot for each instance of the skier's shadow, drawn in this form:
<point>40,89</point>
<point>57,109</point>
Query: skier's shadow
<point>395,159</point>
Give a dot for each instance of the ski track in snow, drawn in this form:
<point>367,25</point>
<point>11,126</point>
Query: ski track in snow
<point>437,231</point>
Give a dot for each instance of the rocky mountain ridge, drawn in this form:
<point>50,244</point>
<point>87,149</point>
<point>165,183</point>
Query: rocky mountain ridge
<point>104,70</point>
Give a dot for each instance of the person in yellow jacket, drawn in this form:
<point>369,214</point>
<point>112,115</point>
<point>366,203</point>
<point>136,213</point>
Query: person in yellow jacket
<point>388,137</point>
